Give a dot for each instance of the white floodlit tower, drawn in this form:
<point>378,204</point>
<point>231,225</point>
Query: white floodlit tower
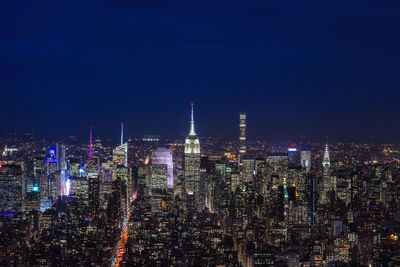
<point>192,163</point>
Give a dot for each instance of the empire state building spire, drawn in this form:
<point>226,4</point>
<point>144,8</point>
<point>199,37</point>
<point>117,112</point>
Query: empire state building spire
<point>326,162</point>
<point>192,131</point>
<point>192,168</point>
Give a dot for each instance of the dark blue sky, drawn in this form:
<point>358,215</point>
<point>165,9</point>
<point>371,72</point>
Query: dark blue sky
<point>322,68</point>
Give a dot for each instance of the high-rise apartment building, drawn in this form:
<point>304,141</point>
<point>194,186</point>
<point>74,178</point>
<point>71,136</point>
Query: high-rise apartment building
<point>242,135</point>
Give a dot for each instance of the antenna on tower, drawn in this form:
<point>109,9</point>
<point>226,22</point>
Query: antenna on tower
<point>122,133</point>
<point>191,104</point>
<point>91,145</point>
<point>192,131</point>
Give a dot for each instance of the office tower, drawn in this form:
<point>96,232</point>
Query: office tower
<point>164,156</point>
<point>326,162</point>
<point>55,188</point>
<point>60,160</point>
<point>312,201</point>
<point>60,156</point>
<point>192,162</point>
<point>11,187</point>
<point>74,167</point>
<point>79,188</point>
<point>242,135</point>
<point>120,155</point>
<point>98,148</point>
<point>93,166</point>
<point>51,161</point>
<point>248,169</point>
<point>122,174</point>
<point>326,185</point>
<point>224,174</point>
<point>293,156</point>
<point>93,163</point>
<point>159,176</point>
<point>305,156</point>
<point>31,202</point>
<point>158,185</point>
<point>235,180</point>
<point>94,193</point>
<point>261,179</point>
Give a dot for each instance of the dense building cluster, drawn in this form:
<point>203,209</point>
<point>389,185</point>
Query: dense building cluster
<point>159,202</point>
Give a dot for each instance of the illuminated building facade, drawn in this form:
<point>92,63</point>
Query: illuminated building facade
<point>326,179</point>
<point>164,156</point>
<point>327,161</point>
<point>158,185</point>
<point>293,156</point>
<point>305,157</point>
<point>192,163</point>
<point>51,161</point>
<point>11,187</point>
<point>120,155</point>
<point>242,134</point>
<point>248,168</point>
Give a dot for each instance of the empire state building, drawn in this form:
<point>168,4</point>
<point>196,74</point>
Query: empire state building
<point>192,163</point>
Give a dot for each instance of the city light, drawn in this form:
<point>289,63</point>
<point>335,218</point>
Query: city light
<point>290,157</point>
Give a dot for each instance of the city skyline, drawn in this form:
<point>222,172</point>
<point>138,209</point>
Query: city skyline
<point>295,68</point>
<point>238,133</point>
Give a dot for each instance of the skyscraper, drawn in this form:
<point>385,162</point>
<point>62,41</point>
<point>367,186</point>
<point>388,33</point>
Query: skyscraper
<point>248,168</point>
<point>326,162</point>
<point>120,170</point>
<point>305,156</point>
<point>11,187</point>
<point>158,185</point>
<point>242,135</point>
<point>312,199</point>
<point>60,156</point>
<point>163,155</point>
<point>326,179</point>
<point>120,153</point>
<point>93,163</point>
<point>293,156</point>
<point>192,163</point>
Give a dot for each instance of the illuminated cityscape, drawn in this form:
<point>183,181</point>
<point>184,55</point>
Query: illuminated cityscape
<point>199,133</point>
<point>285,204</point>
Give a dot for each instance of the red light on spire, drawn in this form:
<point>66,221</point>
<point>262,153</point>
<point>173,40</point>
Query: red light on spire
<point>191,104</point>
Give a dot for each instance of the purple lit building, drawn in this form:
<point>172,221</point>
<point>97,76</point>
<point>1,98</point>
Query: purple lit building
<point>163,156</point>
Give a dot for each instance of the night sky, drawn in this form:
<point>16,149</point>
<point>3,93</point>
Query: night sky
<point>320,68</point>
